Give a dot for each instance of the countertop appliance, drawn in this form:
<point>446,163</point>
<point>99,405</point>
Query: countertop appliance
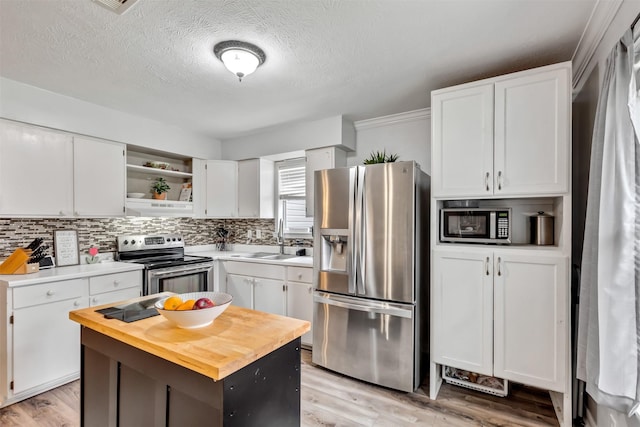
<point>371,273</point>
<point>475,225</point>
<point>166,267</point>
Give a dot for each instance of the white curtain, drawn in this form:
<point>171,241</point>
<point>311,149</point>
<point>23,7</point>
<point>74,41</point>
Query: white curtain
<point>608,358</point>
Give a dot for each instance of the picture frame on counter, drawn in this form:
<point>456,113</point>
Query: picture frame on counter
<point>65,246</point>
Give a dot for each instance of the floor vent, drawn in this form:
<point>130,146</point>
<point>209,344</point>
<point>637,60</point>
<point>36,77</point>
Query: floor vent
<point>117,6</point>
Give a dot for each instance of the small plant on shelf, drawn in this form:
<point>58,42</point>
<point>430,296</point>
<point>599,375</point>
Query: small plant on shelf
<point>159,188</point>
<point>380,157</point>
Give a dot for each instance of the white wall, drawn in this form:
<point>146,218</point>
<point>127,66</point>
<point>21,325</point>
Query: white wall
<point>36,106</point>
<point>331,131</point>
<point>406,134</point>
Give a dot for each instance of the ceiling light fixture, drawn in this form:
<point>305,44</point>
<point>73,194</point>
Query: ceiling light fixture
<point>240,58</point>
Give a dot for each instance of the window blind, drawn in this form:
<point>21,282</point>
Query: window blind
<point>292,197</point>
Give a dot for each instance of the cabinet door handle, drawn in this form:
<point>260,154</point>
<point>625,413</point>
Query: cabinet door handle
<point>499,180</point>
<point>76,303</point>
<point>95,300</point>
<point>116,283</point>
<point>50,293</point>
<point>486,181</point>
<point>486,266</point>
<point>300,276</point>
<point>310,289</point>
<point>499,269</point>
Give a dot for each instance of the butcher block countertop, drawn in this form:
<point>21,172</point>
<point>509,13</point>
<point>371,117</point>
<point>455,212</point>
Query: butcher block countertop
<point>238,337</point>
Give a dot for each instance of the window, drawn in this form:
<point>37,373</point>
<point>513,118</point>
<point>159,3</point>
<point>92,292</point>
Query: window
<point>291,193</point>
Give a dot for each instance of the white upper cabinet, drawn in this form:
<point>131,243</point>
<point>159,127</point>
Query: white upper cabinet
<point>503,137</point>
<point>36,171</point>
<point>255,188</point>
<point>232,189</point>
<point>462,123</point>
<point>221,200</point>
<point>45,173</point>
<point>532,134</point>
<point>318,159</point>
<point>99,177</point>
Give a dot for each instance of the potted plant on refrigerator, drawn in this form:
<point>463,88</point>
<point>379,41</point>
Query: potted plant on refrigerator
<point>380,157</point>
<point>159,188</point>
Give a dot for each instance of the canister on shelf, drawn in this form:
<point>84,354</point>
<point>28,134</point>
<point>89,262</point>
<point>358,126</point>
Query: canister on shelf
<point>541,227</point>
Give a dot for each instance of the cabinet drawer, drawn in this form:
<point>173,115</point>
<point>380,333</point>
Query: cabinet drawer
<point>300,274</point>
<point>49,292</point>
<point>255,269</point>
<point>115,296</point>
<point>114,282</point>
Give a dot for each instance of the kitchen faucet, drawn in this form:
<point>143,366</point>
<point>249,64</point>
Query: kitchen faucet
<point>280,235</point>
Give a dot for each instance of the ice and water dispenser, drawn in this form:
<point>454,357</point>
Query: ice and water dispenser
<point>334,249</point>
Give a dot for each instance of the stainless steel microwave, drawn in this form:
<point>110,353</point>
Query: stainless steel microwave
<point>475,225</point>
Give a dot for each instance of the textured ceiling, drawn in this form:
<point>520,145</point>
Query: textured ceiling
<point>360,58</point>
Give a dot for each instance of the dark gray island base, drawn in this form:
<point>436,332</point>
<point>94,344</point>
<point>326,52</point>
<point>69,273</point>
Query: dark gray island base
<point>124,386</point>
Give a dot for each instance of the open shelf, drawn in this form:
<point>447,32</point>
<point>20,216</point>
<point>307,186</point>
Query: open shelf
<point>159,172</point>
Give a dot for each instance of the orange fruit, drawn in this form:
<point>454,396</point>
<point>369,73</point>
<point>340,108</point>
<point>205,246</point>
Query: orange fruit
<point>187,305</point>
<point>172,303</point>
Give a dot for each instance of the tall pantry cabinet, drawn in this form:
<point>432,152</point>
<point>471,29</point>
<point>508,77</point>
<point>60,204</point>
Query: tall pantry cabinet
<point>504,310</point>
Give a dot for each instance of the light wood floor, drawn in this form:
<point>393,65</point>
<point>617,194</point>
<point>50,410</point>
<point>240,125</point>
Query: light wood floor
<point>330,399</point>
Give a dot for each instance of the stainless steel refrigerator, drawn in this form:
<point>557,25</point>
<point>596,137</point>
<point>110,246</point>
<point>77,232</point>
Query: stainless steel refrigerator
<point>371,273</point>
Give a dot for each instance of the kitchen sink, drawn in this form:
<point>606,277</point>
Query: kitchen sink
<point>253,255</point>
<point>263,255</point>
<point>278,256</point>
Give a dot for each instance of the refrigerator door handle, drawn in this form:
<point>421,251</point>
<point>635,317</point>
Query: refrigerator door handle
<point>380,308</point>
<point>360,232</point>
<point>351,243</point>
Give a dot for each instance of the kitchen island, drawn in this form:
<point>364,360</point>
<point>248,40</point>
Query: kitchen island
<point>242,370</point>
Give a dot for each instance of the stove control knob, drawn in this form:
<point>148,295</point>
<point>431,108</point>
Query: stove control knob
<point>126,242</point>
<point>168,239</point>
<point>174,239</point>
<point>179,239</point>
<point>133,242</point>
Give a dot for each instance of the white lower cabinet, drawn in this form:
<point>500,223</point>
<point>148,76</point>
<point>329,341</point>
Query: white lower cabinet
<point>110,288</point>
<point>270,296</point>
<point>241,289</point>
<point>257,286</point>
<point>300,297</point>
<point>45,349</point>
<point>257,293</point>
<point>462,310</point>
<point>501,313</point>
<point>276,289</point>
<point>39,345</point>
<point>531,322</point>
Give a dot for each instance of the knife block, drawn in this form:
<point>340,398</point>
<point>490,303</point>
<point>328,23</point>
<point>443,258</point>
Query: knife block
<point>17,263</point>
<point>27,268</point>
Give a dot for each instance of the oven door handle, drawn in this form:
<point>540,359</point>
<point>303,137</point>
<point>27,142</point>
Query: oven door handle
<point>174,271</point>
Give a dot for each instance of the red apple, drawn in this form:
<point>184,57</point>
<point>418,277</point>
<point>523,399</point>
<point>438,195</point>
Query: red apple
<point>203,303</point>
